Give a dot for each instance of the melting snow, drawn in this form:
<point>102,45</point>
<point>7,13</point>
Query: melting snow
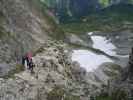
<point>88,59</point>
<point>103,44</point>
<point>90,33</point>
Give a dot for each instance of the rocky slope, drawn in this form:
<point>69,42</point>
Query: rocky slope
<point>54,78</point>
<point>125,80</point>
<point>26,28</point>
<point>23,27</point>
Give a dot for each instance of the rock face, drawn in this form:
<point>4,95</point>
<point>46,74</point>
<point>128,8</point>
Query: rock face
<point>21,27</point>
<point>123,83</point>
<point>56,77</point>
<point>79,40</point>
<point>53,72</point>
<point>131,65</point>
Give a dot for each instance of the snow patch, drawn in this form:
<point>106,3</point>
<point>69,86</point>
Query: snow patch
<point>90,33</point>
<point>89,60</point>
<point>103,44</point>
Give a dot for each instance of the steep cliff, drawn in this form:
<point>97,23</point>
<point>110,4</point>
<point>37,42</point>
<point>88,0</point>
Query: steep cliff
<point>24,27</point>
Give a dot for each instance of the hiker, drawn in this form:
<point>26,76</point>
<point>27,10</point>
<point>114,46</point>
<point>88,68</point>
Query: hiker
<point>31,65</point>
<point>23,60</point>
<point>29,56</point>
<point>27,60</point>
<point>130,72</point>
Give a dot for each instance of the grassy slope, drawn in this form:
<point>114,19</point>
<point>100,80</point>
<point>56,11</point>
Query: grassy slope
<point>1,27</point>
<point>114,18</point>
<point>104,3</point>
<point>53,29</point>
<point>3,32</point>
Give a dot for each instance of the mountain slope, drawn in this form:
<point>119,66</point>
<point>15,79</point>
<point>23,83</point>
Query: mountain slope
<point>71,9</point>
<point>54,78</point>
<point>112,19</point>
<point>23,28</point>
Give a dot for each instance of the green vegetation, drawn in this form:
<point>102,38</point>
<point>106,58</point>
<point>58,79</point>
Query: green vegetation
<point>1,28</point>
<point>110,73</point>
<point>116,95</point>
<point>99,23</point>
<point>113,71</point>
<point>131,1</point>
<point>51,27</point>
<point>49,3</point>
<point>103,98</point>
<point>3,32</point>
<point>119,95</point>
<point>60,94</point>
<point>50,23</point>
<point>114,18</point>
<point>39,50</point>
<point>11,73</point>
<point>115,67</point>
<point>105,3</point>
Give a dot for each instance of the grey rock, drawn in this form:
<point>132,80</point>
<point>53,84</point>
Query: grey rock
<point>48,74</point>
<point>23,28</point>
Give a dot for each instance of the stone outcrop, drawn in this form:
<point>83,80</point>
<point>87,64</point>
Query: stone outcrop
<point>123,83</point>
<point>130,76</point>
<point>53,70</point>
<point>83,40</point>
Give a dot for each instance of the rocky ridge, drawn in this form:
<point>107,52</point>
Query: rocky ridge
<point>53,69</point>
<point>54,73</point>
